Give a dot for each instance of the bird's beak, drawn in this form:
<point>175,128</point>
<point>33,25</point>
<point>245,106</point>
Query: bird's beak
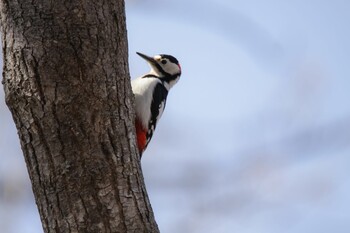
<point>147,58</point>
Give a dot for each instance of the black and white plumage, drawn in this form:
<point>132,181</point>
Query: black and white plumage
<point>151,91</point>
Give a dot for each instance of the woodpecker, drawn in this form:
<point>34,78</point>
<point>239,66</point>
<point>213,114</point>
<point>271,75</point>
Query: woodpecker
<point>151,91</point>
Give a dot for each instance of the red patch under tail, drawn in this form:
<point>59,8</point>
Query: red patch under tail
<point>141,136</point>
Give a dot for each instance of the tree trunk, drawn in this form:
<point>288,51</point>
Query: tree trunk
<point>67,85</point>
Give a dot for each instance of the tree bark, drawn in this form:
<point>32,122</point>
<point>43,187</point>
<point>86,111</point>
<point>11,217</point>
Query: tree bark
<point>67,85</point>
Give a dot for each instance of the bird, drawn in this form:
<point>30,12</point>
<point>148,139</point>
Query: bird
<point>150,92</point>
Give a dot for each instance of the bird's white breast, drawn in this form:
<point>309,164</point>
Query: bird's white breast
<point>143,91</point>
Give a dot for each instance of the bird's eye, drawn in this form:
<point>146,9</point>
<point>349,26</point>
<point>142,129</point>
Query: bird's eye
<point>163,62</point>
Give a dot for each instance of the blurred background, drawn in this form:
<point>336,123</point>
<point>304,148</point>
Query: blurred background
<point>255,136</point>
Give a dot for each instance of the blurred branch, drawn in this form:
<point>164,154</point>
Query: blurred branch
<point>220,19</point>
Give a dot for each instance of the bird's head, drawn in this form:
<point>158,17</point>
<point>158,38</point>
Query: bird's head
<point>163,65</point>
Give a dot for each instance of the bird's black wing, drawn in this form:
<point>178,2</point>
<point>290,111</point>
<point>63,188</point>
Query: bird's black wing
<point>157,107</point>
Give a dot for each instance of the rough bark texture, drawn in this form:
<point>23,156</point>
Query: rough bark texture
<point>67,85</point>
